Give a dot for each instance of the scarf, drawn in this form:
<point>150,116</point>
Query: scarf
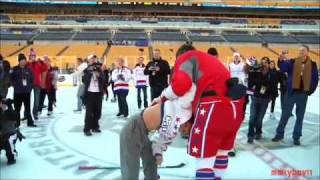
<point>302,75</point>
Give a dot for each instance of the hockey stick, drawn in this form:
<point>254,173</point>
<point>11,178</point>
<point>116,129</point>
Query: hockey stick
<point>118,167</point>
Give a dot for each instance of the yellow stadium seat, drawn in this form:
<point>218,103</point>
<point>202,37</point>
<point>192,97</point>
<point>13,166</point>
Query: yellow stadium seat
<point>128,53</point>
<point>7,49</point>
<point>256,51</point>
<point>44,49</point>
<point>224,51</point>
<point>84,50</point>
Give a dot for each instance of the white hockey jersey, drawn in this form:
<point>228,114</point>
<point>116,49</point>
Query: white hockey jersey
<point>140,78</point>
<point>237,70</point>
<point>174,113</point>
<point>121,77</point>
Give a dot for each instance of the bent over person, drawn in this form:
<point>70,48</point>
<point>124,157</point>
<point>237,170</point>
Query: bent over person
<point>135,143</point>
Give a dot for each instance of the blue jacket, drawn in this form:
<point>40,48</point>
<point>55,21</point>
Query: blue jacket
<point>287,66</point>
<point>17,76</point>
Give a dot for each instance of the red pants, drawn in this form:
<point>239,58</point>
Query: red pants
<point>216,124</point>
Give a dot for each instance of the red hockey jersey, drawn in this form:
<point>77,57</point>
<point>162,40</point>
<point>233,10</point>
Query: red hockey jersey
<point>197,68</point>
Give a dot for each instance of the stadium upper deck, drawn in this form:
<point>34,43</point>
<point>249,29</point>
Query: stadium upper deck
<point>272,9</point>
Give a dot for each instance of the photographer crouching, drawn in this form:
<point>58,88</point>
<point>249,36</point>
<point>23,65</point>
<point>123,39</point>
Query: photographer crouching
<point>261,82</point>
<point>9,132</point>
<point>93,80</point>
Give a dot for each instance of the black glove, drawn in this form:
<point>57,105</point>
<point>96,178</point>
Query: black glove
<point>232,82</point>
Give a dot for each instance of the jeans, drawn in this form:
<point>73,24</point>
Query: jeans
<point>300,100</point>
<point>80,94</point>
<point>282,100</point>
<point>145,97</point>
<point>122,103</point>
<point>258,109</point>
<point>36,101</point>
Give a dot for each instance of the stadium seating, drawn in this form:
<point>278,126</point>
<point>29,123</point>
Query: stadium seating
<point>128,53</point>
<point>4,17</point>
<point>255,50</point>
<point>7,49</point>
<point>241,37</point>
<point>307,38</point>
<point>168,36</point>
<point>44,49</point>
<point>119,36</point>
<point>28,17</point>
<point>206,38</point>
<point>224,51</point>
<point>92,36</point>
<point>275,37</point>
<point>84,50</point>
<point>15,36</point>
<point>58,35</point>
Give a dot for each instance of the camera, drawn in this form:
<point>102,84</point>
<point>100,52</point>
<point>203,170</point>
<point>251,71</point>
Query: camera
<point>95,66</point>
<point>255,68</point>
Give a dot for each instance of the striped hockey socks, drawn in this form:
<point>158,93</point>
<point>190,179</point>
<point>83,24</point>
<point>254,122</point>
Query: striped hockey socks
<point>205,174</point>
<point>220,165</point>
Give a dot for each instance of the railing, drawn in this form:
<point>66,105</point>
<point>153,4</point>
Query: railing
<point>194,26</point>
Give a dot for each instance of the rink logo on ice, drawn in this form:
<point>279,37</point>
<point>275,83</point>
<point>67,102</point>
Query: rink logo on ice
<point>46,146</point>
<point>291,173</point>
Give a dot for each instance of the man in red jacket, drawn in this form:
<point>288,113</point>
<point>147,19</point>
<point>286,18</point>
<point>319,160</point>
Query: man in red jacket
<point>217,116</point>
<point>39,71</point>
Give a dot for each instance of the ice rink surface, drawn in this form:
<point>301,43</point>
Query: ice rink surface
<point>57,147</point>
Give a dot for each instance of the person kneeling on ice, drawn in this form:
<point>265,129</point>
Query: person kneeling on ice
<point>166,118</point>
<point>9,133</point>
<point>217,107</point>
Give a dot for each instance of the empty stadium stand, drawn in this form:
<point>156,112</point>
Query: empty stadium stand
<point>168,36</point>
<point>241,37</point>
<point>83,50</point>
<point>129,53</point>
<point>92,36</point>
<point>120,36</point>
<point>225,52</point>
<point>206,38</point>
<point>15,36</point>
<point>7,49</point>
<point>276,37</point>
<point>255,50</point>
<point>307,38</point>
<point>44,49</point>
<point>55,35</point>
